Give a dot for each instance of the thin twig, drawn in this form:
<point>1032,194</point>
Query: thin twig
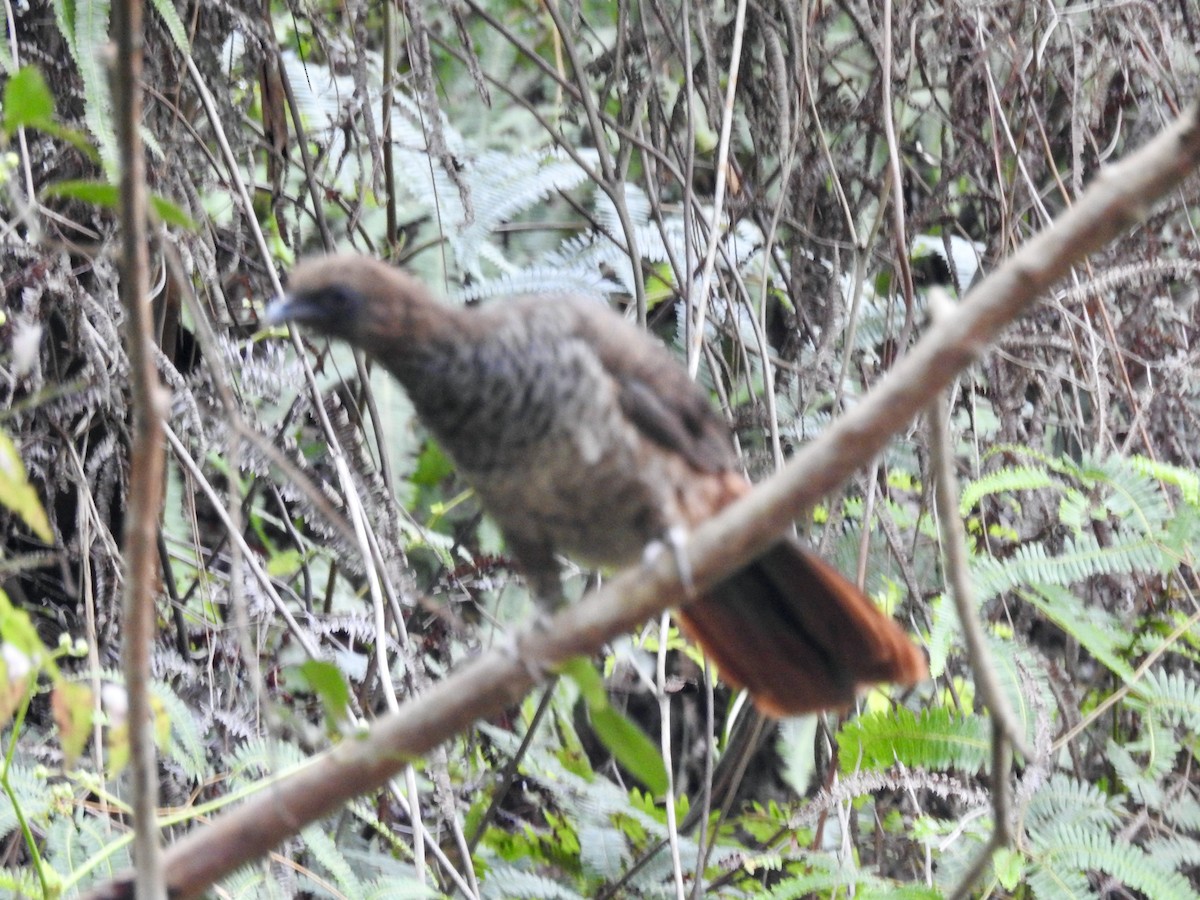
<point>697,305</point>
<point>146,458</point>
<point>1005,733</point>
<point>664,737</point>
<point>958,576</point>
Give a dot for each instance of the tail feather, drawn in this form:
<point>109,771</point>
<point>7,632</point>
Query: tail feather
<point>799,635</point>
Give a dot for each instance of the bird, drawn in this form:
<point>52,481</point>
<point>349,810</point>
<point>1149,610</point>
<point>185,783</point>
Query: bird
<point>583,436</point>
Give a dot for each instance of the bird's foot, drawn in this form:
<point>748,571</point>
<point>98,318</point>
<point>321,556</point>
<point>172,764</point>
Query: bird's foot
<point>675,539</point>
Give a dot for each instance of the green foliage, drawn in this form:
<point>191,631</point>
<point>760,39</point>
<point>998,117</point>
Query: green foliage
<point>170,16</point>
<point>1079,849</point>
<point>28,103</point>
<point>1081,600</point>
<point>1008,480</point>
<point>84,25</point>
<point>106,195</point>
<point>51,808</point>
<point>328,683</point>
<point>932,739</point>
<point>826,878</point>
<point>629,746</point>
<point>1067,802</point>
<point>1069,827</point>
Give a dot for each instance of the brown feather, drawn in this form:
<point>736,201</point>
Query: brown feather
<point>583,435</point>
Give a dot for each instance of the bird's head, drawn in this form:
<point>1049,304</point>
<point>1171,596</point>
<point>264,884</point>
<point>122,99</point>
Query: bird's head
<point>356,298</point>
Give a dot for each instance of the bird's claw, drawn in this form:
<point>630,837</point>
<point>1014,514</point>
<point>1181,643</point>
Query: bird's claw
<point>675,539</point>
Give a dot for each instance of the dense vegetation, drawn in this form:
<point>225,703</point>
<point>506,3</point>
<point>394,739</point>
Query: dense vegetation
<point>494,147</point>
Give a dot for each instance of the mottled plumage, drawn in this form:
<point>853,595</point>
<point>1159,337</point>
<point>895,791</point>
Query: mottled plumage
<point>583,436</point>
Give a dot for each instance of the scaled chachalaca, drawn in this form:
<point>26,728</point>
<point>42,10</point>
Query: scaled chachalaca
<point>582,435</point>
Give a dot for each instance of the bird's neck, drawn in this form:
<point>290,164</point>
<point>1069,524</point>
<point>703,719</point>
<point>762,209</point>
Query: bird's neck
<point>417,337</point>
<point>431,349</point>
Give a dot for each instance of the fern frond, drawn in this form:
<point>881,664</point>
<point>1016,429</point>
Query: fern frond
<point>1175,696</point>
<point>540,279</point>
<point>328,854</point>
<point>944,633</point>
<point>1004,481</point>
<point>824,873</point>
<point>1183,813</point>
<point>262,756</point>
<point>187,746</point>
<point>637,205</point>
<point>1142,779</point>
<point>1088,849</point>
<point>88,40</point>
<point>175,26</point>
<point>1095,629</point>
<point>19,883</point>
<point>936,739</point>
<point>504,185</point>
<point>1177,851</point>
<point>71,838</point>
<point>1133,497</point>
<point>826,877</point>
<point>1064,801</point>
<point>399,887</point>
<point>603,851</point>
<point>1048,883</point>
<point>1186,480</point>
<point>1079,560</point>
<point>504,882</point>
<point>32,793</point>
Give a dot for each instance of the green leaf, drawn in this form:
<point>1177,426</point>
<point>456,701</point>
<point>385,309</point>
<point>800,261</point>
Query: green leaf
<point>326,682</point>
<point>17,629</point>
<point>18,494</point>
<point>101,193</point>
<point>433,466</point>
<point>104,194</point>
<point>27,101</point>
<point>172,214</point>
<point>631,748</point>
<point>1009,867</point>
<point>30,105</point>
<point>285,563</point>
<point>624,740</point>
<point>585,676</point>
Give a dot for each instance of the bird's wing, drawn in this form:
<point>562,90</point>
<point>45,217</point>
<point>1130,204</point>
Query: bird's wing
<point>655,392</point>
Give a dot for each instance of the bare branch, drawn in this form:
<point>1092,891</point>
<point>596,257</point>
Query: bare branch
<point>146,454</point>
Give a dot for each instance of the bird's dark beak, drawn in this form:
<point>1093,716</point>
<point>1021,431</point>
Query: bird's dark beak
<point>288,308</point>
<point>331,310</point>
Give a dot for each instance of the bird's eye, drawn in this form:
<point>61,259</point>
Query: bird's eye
<point>346,298</point>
